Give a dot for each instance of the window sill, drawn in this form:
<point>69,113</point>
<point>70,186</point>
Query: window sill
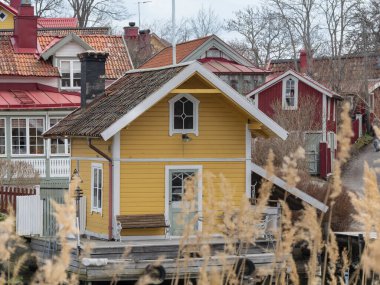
<point>183,132</point>
<point>28,155</point>
<point>96,211</point>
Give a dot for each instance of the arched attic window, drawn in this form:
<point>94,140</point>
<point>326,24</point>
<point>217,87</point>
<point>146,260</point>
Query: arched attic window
<point>183,114</point>
<point>290,93</point>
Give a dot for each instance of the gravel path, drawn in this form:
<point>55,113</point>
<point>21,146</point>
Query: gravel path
<point>353,174</point>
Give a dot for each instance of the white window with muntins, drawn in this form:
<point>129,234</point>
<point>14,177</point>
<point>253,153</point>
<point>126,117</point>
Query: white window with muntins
<point>290,93</point>
<point>96,187</point>
<point>183,114</point>
<point>27,136</point>
<point>70,71</point>
<point>3,147</point>
<point>58,146</point>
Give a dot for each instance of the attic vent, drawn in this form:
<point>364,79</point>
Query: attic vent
<point>22,97</point>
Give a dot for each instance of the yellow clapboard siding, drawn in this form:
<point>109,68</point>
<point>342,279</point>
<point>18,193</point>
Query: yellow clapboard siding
<point>143,186</point>
<point>221,132</point>
<point>96,222</point>
<point>80,148</point>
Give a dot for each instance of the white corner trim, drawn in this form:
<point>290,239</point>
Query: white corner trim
<point>324,119</point>
<point>195,102</point>
<point>115,178</point>
<point>188,71</point>
<point>199,169</point>
<point>248,158</point>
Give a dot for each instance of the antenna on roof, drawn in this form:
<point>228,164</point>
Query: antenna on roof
<point>174,33</point>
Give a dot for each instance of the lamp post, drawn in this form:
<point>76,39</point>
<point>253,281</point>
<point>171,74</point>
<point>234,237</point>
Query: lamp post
<point>138,4</point>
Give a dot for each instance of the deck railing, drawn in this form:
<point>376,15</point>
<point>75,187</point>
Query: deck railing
<point>60,167</point>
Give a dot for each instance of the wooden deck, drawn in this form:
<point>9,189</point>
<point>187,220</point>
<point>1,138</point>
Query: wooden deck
<point>145,252</point>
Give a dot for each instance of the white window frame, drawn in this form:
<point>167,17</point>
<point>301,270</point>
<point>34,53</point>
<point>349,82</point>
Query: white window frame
<point>334,109</point>
<point>284,104</point>
<point>195,102</point>
<point>184,168</point>
<point>67,152</point>
<point>6,15</point>
<point>71,61</point>
<point>371,102</point>
<point>96,166</point>
<point>6,137</point>
<point>27,137</point>
<point>328,107</point>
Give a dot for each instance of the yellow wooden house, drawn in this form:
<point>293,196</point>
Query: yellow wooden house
<point>7,14</point>
<point>135,146</point>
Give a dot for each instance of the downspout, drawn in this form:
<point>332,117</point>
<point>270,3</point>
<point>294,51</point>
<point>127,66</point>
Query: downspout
<point>110,194</point>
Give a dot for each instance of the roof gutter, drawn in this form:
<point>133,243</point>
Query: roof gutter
<point>110,191</point>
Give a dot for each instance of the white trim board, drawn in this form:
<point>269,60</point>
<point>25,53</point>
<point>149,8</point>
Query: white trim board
<point>293,190</point>
<point>183,159</point>
<point>187,72</point>
<point>305,80</point>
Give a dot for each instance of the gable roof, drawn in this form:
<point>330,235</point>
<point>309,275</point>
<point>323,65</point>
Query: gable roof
<point>61,43</point>
<point>57,22</point>
<point>18,64</point>
<point>291,190</point>
<point>355,68</point>
<point>137,91</point>
<point>193,50</point>
<point>305,79</point>
<point>8,8</point>
<point>164,57</point>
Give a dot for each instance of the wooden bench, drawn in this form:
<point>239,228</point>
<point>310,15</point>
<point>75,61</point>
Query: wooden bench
<point>148,221</point>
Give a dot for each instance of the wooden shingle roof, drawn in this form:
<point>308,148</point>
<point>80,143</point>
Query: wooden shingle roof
<point>120,98</point>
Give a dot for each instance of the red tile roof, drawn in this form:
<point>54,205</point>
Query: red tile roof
<point>164,57</point>
<point>35,96</point>
<point>57,22</point>
<point>222,65</point>
<point>30,65</point>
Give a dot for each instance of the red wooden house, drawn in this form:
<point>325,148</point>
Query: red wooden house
<point>289,88</point>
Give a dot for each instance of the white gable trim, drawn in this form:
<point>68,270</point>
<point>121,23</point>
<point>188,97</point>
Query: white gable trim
<point>191,69</point>
<point>69,38</point>
<point>292,190</point>
<point>299,77</point>
<point>215,41</point>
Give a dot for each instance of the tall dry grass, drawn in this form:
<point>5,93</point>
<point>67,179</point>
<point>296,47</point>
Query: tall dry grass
<point>236,224</point>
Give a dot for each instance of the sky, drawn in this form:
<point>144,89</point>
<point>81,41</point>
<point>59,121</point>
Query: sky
<point>161,9</point>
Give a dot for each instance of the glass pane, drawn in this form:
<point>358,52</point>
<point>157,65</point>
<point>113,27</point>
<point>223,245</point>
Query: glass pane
<point>188,123</point>
<point>178,123</point>
<point>189,108</point>
<point>65,82</point>
<point>94,198</point>
<point>65,67</point>
<point>77,82</point>
<point>95,178</point>
<point>99,198</point>
<point>178,108</point>
<point>100,178</point>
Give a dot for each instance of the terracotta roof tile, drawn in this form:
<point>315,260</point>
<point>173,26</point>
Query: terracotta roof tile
<point>120,98</point>
<point>29,65</point>
<point>57,22</point>
<point>164,57</point>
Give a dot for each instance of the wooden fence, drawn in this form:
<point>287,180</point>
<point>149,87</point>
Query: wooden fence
<point>8,195</point>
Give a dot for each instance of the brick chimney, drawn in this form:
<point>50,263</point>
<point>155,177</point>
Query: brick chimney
<point>131,32</point>
<point>25,29</point>
<point>303,61</point>
<point>93,79</point>
<point>15,4</point>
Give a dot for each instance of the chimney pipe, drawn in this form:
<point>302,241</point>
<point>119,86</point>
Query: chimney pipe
<point>25,29</point>
<point>131,32</point>
<point>93,80</point>
<point>303,61</point>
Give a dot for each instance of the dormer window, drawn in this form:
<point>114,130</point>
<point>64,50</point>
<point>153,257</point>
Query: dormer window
<point>3,16</point>
<point>70,74</point>
<point>290,93</point>
<point>183,114</point>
